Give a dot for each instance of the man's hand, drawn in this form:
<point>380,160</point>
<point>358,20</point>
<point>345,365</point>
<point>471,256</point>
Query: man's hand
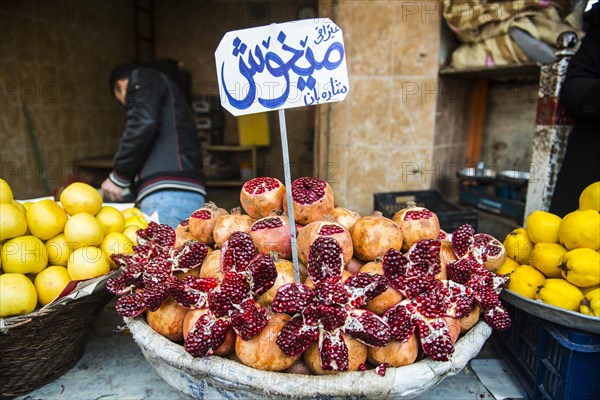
<point>111,192</point>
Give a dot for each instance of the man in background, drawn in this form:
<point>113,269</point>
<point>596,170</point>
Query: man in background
<point>159,156</point>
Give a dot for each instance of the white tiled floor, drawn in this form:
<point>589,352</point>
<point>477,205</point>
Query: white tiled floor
<point>113,368</point>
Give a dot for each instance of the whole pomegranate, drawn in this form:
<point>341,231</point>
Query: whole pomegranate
<point>354,265</point>
<point>313,230</point>
<point>229,223</point>
<point>416,223</point>
<point>211,267</point>
<point>272,235</point>
<point>168,320</point>
<point>202,222</point>
<point>312,199</point>
<point>386,300</point>
<point>373,235</point>
<point>357,355</point>
<point>262,352</point>
<point>396,353</point>
<point>344,216</point>
<point>190,319</point>
<point>262,195</point>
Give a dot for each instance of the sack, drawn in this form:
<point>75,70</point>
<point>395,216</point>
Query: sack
<point>487,30</point>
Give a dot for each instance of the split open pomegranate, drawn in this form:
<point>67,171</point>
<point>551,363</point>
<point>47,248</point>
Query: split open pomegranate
<point>262,195</point>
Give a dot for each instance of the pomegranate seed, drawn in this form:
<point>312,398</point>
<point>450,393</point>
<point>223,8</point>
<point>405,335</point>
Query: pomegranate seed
<point>260,185</point>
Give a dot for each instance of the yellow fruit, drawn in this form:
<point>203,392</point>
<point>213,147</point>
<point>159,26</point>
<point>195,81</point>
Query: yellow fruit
<point>115,243</point>
<point>80,197</point>
<point>12,222</point>
<point>590,305</point>
<point>590,197</point>
<point>58,250</point>
<point>508,267</point>
<point>579,229</point>
<point>87,262</point>
<point>110,219</point>
<point>24,255</point>
<point>45,219</point>
<point>132,212</point>
<point>518,245</point>
<point>130,232</point>
<point>17,295</point>
<point>547,258</point>
<point>6,194</point>
<point>542,226</point>
<point>135,220</point>
<point>525,281</point>
<point>586,290</point>
<point>20,206</point>
<point>581,267</point>
<point>560,293</point>
<point>83,230</point>
<point>50,283</point>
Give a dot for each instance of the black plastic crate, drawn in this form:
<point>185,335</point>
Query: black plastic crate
<point>450,215</point>
<point>551,361</point>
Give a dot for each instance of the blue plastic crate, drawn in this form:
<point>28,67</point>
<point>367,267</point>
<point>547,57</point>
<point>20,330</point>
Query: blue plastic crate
<point>551,361</point>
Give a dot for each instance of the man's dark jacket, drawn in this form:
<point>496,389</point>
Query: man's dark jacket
<point>159,148</point>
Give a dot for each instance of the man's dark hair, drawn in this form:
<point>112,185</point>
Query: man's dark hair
<point>119,72</point>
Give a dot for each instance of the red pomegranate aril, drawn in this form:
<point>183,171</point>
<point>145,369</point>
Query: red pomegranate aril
<point>380,304</point>
<point>313,230</point>
<point>312,199</point>
<point>355,353</point>
<point>189,321</point>
<point>262,195</point>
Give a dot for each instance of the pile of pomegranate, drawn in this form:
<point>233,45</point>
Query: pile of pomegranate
<point>375,292</point>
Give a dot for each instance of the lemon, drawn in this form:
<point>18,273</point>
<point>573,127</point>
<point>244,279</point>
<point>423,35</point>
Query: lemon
<point>542,226</point>
<point>110,219</point>
<point>17,295</point>
<point>58,250</point>
<point>116,243</point>
<point>580,228</point>
<point>6,194</point>
<point>508,267</point>
<point>518,245</point>
<point>525,281</point>
<point>20,206</point>
<point>12,222</point>
<point>581,267</point>
<point>586,290</point>
<point>87,262</point>
<point>547,258</point>
<point>83,230</point>
<point>132,212</point>
<point>80,197</point>
<point>131,232</point>
<point>590,197</point>
<point>560,293</point>
<point>590,305</point>
<point>50,283</point>
<point>138,221</point>
<point>45,219</point>
<point>24,255</point>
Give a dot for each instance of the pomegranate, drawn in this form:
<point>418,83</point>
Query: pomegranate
<point>272,234</point>
<point>354,266</point>
<point>262,195</point>
<point>469,320</point>
<point>261,351</point>
<point>312,199</point>
<point>386,300</point>
<point>285,274</point>
<point>226,224</point>
<point>183,233</point>
<point>492,250</point>
<point>344,216</point>
<point>190,320</point>
<point>416,223</point>
<point>454,326</point>
<point>310,232</point>
<point>299,367</point>
<point>192,272</point>
<point>211,267</point>
<point>446,256</point>
<point>168,320</point>
<point>373,235</point>
<point>395,353</point>
<point>202,222</point>
<point>443,235</point>
<point>309,282</point>
<point>352,354</point>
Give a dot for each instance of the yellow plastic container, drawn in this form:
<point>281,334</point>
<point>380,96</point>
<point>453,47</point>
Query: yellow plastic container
<point>254,130</point>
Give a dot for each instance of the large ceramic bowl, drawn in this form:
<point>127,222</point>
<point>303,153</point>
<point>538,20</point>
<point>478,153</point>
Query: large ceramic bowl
<point>221,378</point>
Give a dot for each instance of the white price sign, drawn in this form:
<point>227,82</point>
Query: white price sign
<point>281,66</point>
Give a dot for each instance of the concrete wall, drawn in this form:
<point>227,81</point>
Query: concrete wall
<point>55,58</point>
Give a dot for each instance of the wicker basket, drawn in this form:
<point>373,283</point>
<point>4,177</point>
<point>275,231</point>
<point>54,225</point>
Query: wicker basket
<point>220,378</point>
<point>39,347</point>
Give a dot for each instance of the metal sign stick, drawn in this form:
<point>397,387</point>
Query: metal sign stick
<point>288,191</point>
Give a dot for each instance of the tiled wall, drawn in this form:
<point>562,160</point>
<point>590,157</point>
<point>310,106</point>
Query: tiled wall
<point>55,58</point>
<point>381,138</point>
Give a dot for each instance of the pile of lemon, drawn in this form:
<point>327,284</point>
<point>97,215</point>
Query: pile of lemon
<point>555,259</point>
<point>47,244</point>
